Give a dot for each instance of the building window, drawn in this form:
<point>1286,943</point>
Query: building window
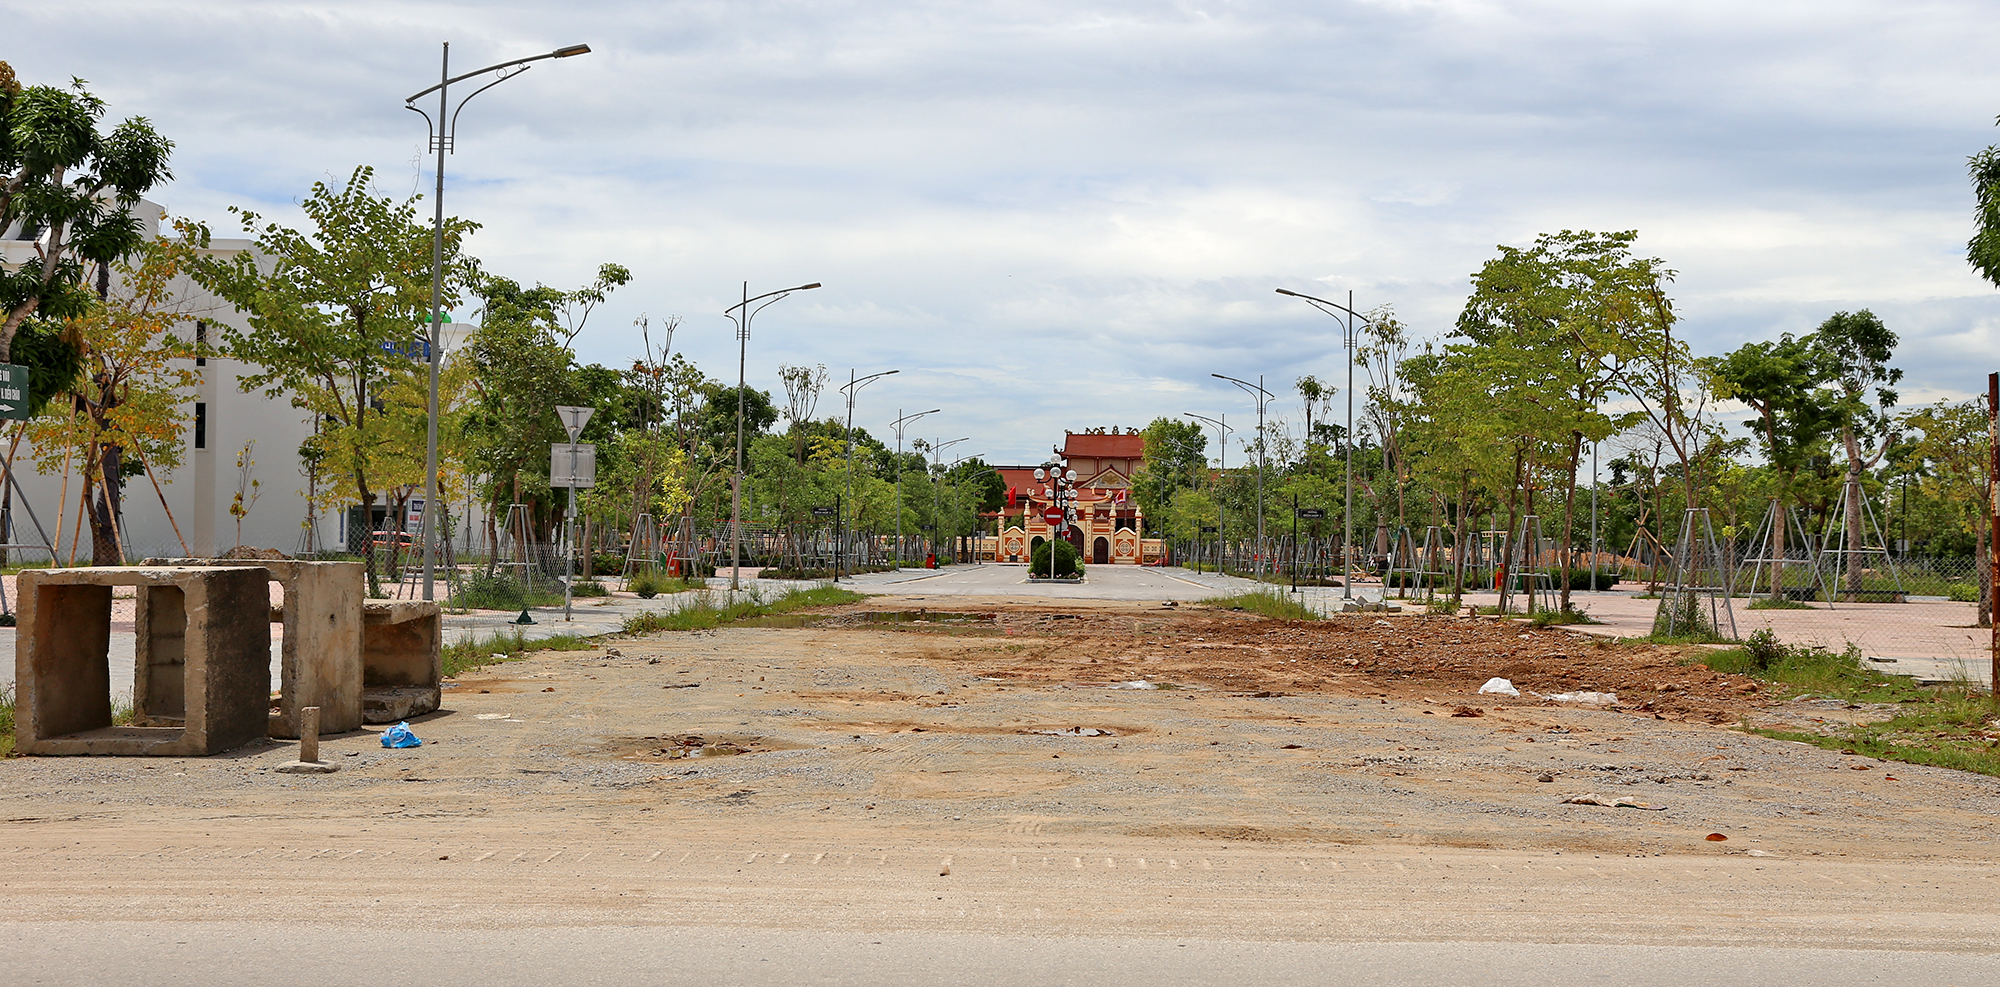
<point>200,344</point>
<point>201,424</point>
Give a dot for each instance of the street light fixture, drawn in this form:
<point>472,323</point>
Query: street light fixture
<point>899,425</point>
<point>741,313</point>
<point>854,385</point>
<point>1347,518</point>
<point>1262,397</point>
<point>937,459</point>
<point>1222,431</point>
<point>443,135</point>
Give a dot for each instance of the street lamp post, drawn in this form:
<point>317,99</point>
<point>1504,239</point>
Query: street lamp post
<point>1347,518</point>
<point>741,313</point>
<point>937,459</point>
<point>854,386</point>
<point>903,421</point>
<point>1262,397</point>
<point>443,134</point>
<point>1222,441</point>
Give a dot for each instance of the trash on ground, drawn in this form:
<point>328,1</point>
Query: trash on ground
<point>400,736</point>
<point>1622,802</point>
<point>1074,732</point>
<point>1594,698</point>
<point>1138,684</point>
<point>1499,687</point>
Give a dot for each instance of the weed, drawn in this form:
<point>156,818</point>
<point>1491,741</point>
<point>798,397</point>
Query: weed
<point>708,609</point>
<point>7,721</point>
<point>471,655</point>
<point>585,588</point>
<point>499,592</point>
<point>1279,605</point>
<point>1812,669</point>
<point>1568,617</point>
<point>1954,729</point>
<point>646,584</point>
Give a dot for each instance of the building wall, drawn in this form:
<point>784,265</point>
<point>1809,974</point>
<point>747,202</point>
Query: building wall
<point>197,495</point>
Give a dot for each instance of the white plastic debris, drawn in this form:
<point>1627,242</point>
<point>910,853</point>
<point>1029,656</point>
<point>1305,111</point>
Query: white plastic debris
<point>1594,698</point>
<point>1499,687</point>
<point>1139,684</point>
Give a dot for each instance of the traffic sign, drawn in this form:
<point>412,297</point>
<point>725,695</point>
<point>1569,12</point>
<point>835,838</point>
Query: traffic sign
<point>1053,515</point>
<point>822,512</point>
<point>574,418</point>
<point>572,464</point>
<point>13,392</point>
<point>1310,513</point>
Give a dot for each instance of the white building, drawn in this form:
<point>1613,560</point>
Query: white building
<point>223,422</point>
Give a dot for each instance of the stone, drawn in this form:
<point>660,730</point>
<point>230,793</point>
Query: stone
<point>306,768</point>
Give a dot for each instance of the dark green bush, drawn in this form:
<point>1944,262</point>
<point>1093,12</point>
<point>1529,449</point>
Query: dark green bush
<point>1068,564</point>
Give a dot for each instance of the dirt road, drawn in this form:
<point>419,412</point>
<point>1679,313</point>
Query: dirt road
<point>1040,767</point>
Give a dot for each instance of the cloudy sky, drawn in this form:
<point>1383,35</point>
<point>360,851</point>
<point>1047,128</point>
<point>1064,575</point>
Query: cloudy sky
<point>1065,215</point>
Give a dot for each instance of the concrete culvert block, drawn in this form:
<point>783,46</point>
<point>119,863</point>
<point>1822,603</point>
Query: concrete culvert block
<point>201,671</point>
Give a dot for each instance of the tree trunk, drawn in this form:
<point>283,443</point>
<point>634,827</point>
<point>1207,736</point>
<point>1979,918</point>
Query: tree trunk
<point>104,543</point>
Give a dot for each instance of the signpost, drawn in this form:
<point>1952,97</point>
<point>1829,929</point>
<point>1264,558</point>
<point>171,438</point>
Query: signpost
<point>580,470</point>
<point>13,392</point>
<point>14,407</point>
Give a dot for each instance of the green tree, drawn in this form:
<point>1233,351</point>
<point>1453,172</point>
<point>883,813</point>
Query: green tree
<point>70,188</point>
<point>1175,458</point>
<point>129,404</point>
<point>340,306</point>
<point>1780,381</point>
<point>1853,351</point>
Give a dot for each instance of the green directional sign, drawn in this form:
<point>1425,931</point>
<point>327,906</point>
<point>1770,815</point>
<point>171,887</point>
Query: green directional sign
<point>13,392</point>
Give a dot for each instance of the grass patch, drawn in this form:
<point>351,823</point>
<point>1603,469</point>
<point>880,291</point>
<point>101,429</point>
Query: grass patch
<point>470,655</point>
<point>1561,618</point>
<point>1278,605</point>
<point>1955,728</point>
<point>711,609</point>
<point>7,722</point>
<point>1782,603</point>
<point>499,592</point>
<point>1802,669</point>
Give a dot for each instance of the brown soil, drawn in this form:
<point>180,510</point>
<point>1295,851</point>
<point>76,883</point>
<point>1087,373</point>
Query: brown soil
<point>1016,731</point>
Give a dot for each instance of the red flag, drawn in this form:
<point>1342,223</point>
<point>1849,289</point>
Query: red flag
<point>1010,497</point>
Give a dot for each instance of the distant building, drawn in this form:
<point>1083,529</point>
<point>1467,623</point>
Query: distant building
<point>1109,528</point>
<point>222,421</point>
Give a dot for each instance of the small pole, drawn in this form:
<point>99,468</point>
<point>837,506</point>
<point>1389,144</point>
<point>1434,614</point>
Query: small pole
<point>1993,506</point>
<point>1295,543</point>
<point>309,734</point>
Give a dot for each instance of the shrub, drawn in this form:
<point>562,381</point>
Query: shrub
<point>1963,592</point>
<point>645,583</point>
<point>1270,604</point>
<point>1067,563</point>
<point>591,588</point>
<point>490,592</point>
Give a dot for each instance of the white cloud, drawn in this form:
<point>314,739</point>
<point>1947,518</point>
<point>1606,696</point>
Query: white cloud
<point>1068,214</point>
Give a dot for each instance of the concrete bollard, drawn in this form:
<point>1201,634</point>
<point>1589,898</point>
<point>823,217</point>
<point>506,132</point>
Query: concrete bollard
<point>308,762</point>
<point>309,734</point>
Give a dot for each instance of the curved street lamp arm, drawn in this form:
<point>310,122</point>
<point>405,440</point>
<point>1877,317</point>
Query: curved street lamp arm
<point>900,423</point>
<point>858,384</point>
<point>563,52</point>
<point>1322,301</point>
<point>453,127</point>
<point>780,293</point>
<point>1209,420</point>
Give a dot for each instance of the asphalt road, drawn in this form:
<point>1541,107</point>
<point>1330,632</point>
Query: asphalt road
<point>251,953</point>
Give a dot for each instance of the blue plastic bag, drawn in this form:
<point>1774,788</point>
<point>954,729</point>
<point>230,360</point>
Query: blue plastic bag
<point>400,736</point>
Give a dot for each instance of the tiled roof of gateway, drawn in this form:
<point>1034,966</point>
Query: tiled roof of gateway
<point>1105,446</point>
